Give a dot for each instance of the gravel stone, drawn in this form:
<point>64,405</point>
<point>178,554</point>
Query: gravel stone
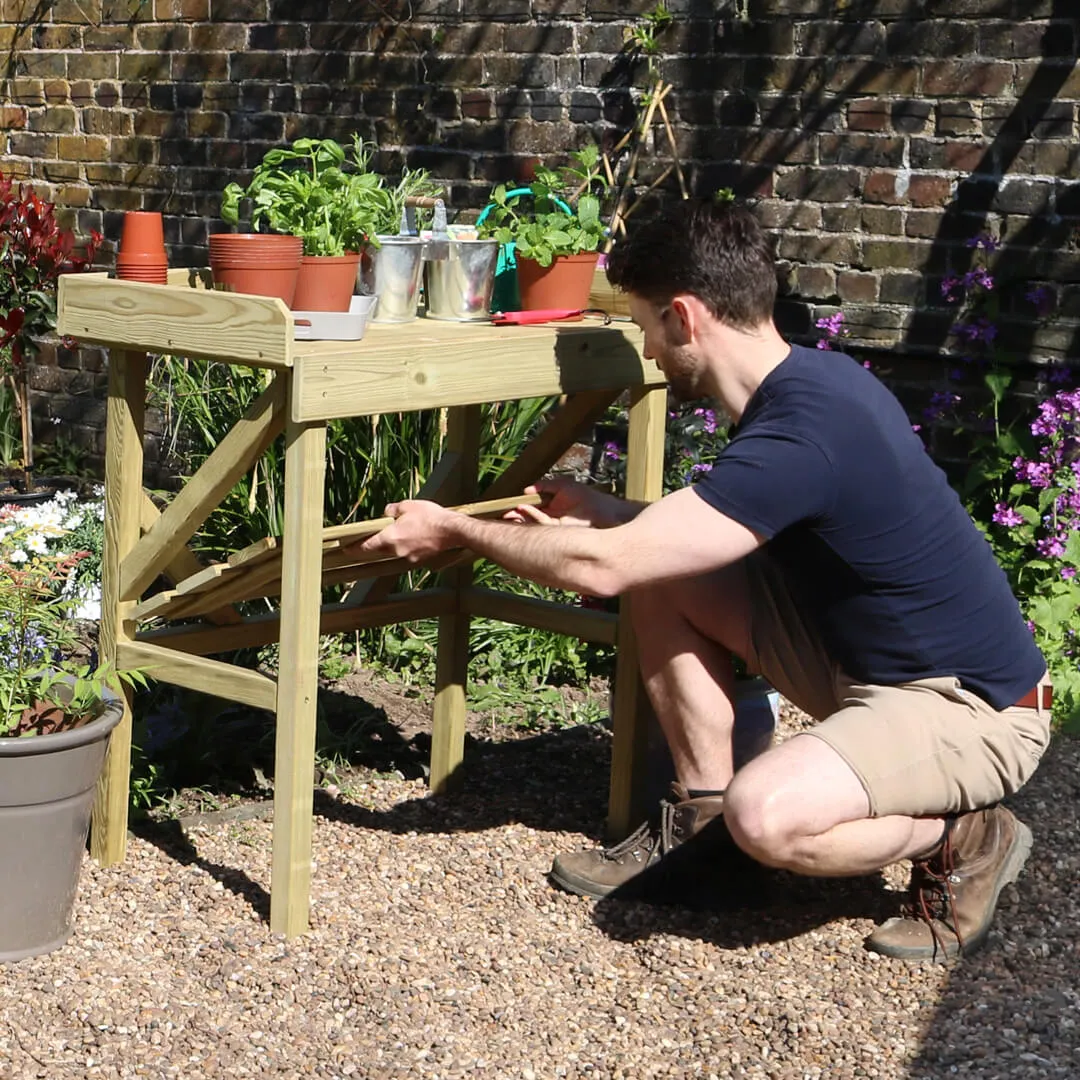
<point>439,950</point>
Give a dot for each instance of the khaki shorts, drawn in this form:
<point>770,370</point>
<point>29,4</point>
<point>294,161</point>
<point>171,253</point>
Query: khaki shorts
<point>921,748</point>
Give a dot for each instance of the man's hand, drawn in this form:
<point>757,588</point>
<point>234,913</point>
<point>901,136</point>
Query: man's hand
<point>420,530</point>
<point>570,503</point>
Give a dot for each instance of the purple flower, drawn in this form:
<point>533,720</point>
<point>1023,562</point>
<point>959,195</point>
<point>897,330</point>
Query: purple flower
<point>978,278</point>
<point>984,241</point>
<point>1006,515</point>
<point>1068,572</point>
<point>951,288</point>
<point>982,329</point>
<point>823,343</point>
<point>1042,298</point>
<point>831,325</point>
<point>1050,547</point>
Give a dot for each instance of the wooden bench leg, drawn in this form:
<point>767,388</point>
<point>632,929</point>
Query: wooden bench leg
<point>631,713</point>
<point>123,504</point>
<point>451,674</point>
<point>305,471</point>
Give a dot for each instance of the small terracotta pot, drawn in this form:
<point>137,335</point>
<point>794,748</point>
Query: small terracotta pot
<point>326,282</point>
<point>564,285</point>
<point>148,277</point>
<point>143,233</point>
<point>259,264</point>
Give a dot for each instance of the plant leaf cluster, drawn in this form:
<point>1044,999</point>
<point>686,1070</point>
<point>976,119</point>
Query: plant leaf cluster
<point>538,226</point>
<point>331,197</point>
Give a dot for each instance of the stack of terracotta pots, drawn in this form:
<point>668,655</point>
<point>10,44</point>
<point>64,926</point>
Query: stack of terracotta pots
<point>142,248</point>
<point>260,263</point>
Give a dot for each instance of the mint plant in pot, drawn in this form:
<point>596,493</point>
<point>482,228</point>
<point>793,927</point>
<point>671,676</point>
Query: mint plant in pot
<point>552,230</point>
<point>57,709</point>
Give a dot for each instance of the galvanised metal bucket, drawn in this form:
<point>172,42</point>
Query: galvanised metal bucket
<point>392,273</point>
<point>459,287</point>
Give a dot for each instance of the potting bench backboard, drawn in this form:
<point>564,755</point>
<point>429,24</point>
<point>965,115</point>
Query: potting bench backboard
<point>172,634</point>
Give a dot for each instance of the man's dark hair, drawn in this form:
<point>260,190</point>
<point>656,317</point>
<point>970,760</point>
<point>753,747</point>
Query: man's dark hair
<point>711,249</point>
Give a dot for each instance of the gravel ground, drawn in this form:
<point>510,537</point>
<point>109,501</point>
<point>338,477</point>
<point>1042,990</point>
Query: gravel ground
<point>439,950</point>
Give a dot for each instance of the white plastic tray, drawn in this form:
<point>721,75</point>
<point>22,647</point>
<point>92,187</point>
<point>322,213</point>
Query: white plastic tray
<point>334,325</point>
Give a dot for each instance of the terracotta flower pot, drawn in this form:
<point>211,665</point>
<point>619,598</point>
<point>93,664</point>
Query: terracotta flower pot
<point>326,282</point>
<point>142,267</point>
<point>564,285</point>
<point>256,263</point>
<point>143,233</point>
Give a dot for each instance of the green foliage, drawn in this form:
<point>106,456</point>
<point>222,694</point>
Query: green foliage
<point>43,686</point>
<point>317,190</point>
<point>535,223</point>
<point>61,456</point>
<point>10,429</point>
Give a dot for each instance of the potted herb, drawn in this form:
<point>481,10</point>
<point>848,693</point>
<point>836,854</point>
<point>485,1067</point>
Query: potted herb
<point>555,229</point>
<point>330,198</point>
<point>57,709</point>
<point>34,252</point>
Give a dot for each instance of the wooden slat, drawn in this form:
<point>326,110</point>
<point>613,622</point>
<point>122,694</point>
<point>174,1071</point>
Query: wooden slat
<point>604,295</point>
<point>334,619</point>
<point>428,365</point>
<point>598,626</point>
<point>631,712</point>
<point>452,661</point>
<point>123,509</point>
<point>305,473</point>
<point>230,459</point>
<point>252,330</point>
<point>198,673</point>
<point>184,564</point>
<point>443,474</point>
<point>578,414</point>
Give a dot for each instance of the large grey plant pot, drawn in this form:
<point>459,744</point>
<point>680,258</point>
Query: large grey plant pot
<point>46,793</point>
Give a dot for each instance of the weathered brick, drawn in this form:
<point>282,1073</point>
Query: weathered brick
<point>258,65</point>
<point>477,105</point>
<point>881,221</point>
<point>98,121</point>
<point>855,287</point>
<point>775,214</point>
<point>514,71</point>
<point>163,38</point>
<point>160,124</point>
<point>43,65</point>
<point>57,37</point>
<point>931,37</point>
<point>59,171</point>
<point>537,39</point>
<point>843,219</point>
<point>311,67</point>
<point>1016,38</point>
<point>839,250</point>
<point>219,37</point>
<point>894,254</point>
<point>72,11</point>
<point>815,282</point>
<point>872,151</point>
<point>107,95</point>
<point>910,117</point>
<point>965,157</point>
<point>98,65</point>
<point>773,146</point>
<point>957,118</point>
<point>825,185</point>
<point>503,10</point>
<point>830,38</point>
<point>27,91</point>
<point>874,78</point>
<point>136,150</point>
<point>458,71</point>
<point>144,67</point>
<point>868,114</point>
<point>244,11</point>
<point>12,118</point>
<point>1023,196</point>
<point>959,78</point>
<point>923,224</point>
<point>1058,121</point>
<point>924,190</point>
<point>384,71</point>
<point>188,10</point>
<point>207,125</point>
<point>31,144</point>
<point>274,37</point>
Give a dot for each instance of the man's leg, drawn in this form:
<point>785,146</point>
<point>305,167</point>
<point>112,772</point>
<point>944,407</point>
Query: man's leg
<point>903,771</point>
<point>801,807</point>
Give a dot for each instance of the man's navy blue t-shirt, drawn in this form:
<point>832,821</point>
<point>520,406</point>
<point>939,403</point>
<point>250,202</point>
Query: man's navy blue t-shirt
<point>876,545</point>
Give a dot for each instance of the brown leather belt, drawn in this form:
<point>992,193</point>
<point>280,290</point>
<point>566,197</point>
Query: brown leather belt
<point>1031,700</point>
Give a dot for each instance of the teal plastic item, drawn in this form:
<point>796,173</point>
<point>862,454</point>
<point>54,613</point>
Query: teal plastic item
<point>505,296</point>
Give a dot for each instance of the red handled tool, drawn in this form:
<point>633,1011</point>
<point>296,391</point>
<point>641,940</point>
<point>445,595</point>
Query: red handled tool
<point>542,315</point>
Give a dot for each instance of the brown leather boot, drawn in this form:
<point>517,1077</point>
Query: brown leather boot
<point>955,889</point>
<point>600,871</point>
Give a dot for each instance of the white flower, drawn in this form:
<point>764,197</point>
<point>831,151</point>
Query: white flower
<point>18,556</point>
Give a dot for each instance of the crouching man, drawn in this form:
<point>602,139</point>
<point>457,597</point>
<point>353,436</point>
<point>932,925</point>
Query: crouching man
<point>827,551</point>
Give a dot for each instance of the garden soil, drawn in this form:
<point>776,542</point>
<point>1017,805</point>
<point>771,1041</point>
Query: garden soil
<point>438,948</point>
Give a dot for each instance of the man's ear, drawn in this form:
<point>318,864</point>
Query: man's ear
<point>685,318</point>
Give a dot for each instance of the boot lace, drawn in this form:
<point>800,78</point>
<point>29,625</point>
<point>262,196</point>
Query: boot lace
<point>931,898</point>
<point>653,837</point>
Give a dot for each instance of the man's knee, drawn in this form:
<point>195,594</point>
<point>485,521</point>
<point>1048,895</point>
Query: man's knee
<point>757,822</point>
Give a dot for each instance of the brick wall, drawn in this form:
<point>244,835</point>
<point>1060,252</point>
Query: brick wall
<point>879,135</point>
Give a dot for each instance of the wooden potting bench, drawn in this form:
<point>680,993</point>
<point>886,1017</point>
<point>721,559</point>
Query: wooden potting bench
<point>395,368</point>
